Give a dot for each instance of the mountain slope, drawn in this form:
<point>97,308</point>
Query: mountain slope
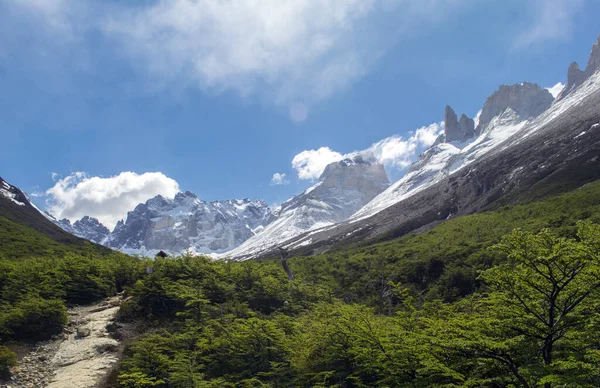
<point>25,231</point>
<point>504,114</point>
<point>555,152</point>
<point>343,188</point>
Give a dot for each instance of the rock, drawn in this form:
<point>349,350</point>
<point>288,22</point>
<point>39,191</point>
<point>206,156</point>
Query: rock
<point>523,101</point>
<point>594,60</point>
<point>205,226</point>
<point>467,126</point>
<point>452,129</point>
<point>576,77</point>
<point>107,347</point>
<point>113,327</point>
<point>457,130</point>
<point>87,227</point>
<point>83,332</point>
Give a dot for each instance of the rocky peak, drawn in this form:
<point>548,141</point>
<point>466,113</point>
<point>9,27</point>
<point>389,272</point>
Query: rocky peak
<point>467,126</point>
<point>343,188</point>
<point>576,77</point>
<point>526,101</point>
<point>187,222</point>
<point>594,60</point>
<point>91,229</point>
<point>354,173</point>
<point>456,130</point>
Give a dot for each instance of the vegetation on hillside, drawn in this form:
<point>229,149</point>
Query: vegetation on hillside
<point>460,305</point>
<point>39,277</point>
<point>472,302</point>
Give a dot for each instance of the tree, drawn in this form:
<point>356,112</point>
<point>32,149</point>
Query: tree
<point>540,302</point>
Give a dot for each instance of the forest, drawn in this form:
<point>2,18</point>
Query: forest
<point>498,299</point>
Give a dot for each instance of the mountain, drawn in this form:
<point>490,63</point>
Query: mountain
<point>504,114</point>
<point>26,231</point>
<point>187,222</point>
<point>343,188</point>
<point>525,147</point>
<point>87,227</point>
<point>576,77</point>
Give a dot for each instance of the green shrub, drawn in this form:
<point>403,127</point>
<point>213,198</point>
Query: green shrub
<point>7,360</point>
<point>33,318</point>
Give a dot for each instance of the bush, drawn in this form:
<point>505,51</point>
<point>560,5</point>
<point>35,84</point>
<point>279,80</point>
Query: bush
<point>7,360</point>
<point>33,318</point>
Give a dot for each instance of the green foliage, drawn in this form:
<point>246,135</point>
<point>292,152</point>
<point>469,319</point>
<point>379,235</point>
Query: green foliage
<point>457,306</point>
<point>7,360</point>
<point>19,241</point>
<point>34,290</point>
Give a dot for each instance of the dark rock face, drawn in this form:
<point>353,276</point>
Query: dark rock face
<point>526,100</point>
<point>576,77</point>
<point>456,130</point>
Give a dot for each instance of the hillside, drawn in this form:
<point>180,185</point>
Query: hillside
<point>429,309</point>
<point>26,232</point>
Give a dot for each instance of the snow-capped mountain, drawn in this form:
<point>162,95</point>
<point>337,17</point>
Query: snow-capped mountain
<point>12,194</point>
<point>504,114</point>
<point>187,222</point>
<point>525,146</point>
<point>343,188</point>
<point>16,206</point>
<point>88,228</point>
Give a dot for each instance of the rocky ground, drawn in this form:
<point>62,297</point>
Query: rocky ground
<point>81,357</point>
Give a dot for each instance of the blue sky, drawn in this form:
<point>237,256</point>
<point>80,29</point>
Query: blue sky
<point>220,96</point>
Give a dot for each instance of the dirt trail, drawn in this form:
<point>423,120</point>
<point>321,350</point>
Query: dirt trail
<point>81,357</point>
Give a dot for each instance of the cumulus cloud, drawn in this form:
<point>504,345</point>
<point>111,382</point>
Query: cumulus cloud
<point>553,21</point>
<point>279,179</point>
<point>394,152</point>
<point>108,199</point>
<point>556,89</point>
<point>310,163</point>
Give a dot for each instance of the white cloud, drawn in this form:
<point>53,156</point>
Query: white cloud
<point>397,152</point>
<point>279,179</point>
<point>553,21</point>
<point>283,52</point>
<point>394,152</point>
<point>556,89</point>
<point>108,199</point>
<point>294,49</point>
<point>311,163</point>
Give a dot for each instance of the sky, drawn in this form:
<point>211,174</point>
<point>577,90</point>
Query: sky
<point>105,104</point>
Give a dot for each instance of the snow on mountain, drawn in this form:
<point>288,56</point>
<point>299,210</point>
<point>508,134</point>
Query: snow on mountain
<point>88,228</point>
<point>188,223</point>
<point>343,188</point>
<point>576,77</point>
<point>11,193</point>
<point>505,113</point>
